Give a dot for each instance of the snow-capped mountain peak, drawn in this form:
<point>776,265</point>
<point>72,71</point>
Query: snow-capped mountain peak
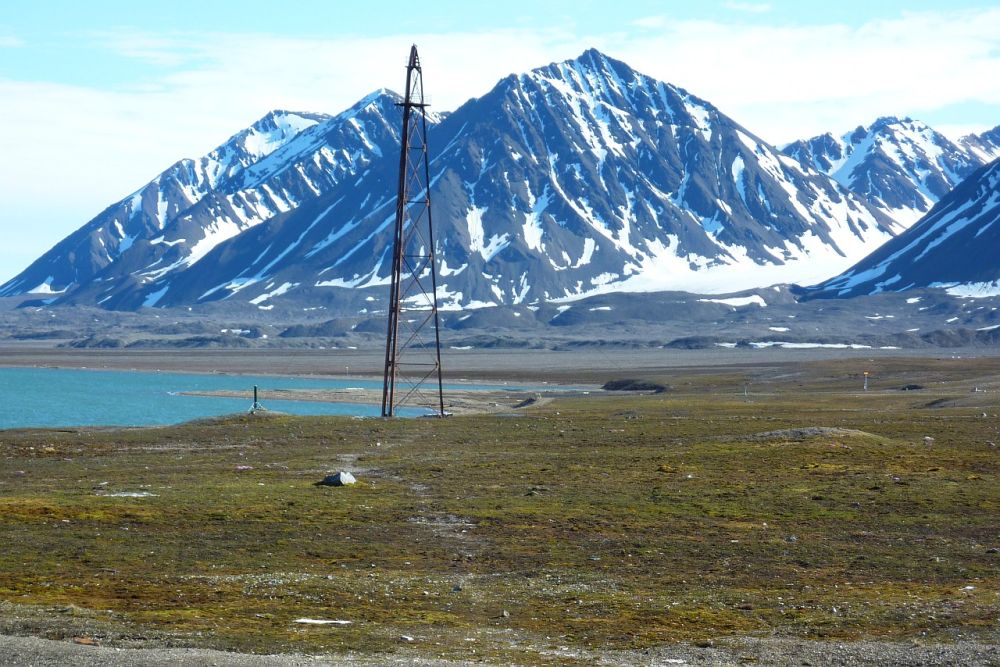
<point>985,146</point>
<point>901,165</point>
<point>576,178</point>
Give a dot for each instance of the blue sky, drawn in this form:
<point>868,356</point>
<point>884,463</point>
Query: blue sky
<point>99,97</point>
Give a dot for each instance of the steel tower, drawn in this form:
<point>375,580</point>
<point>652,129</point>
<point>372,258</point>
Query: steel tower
<point>413,341</point>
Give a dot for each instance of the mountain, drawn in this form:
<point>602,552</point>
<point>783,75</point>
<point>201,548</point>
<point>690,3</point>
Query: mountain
<point>985,146</point>
<point>271,168</point>
<point>954,246</point>
<point>146,213</point>
<point>577,178</point>
<point>902,166</point>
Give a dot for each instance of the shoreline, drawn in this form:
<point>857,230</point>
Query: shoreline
<point>460,402</point>
<point>584,367</point>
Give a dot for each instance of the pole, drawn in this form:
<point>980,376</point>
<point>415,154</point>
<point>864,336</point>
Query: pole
<point>413,258</point>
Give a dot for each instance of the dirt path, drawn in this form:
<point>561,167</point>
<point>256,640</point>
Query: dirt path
<point>34,652</point>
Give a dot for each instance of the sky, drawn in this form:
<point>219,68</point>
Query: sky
<point>98,97</point>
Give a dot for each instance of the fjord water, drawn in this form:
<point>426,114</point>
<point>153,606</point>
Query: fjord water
<point>53,397</point>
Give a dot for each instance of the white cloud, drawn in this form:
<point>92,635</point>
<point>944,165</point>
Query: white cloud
<point>749,7</point>
<point>9,41</point>
<point>78,148</point>
<point>957,131</point>
<point>785,82</point>
<point>650,22</point>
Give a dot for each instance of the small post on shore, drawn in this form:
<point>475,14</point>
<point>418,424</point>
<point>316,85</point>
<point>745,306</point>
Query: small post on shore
<point>256,404</point>
<point>866,380</point>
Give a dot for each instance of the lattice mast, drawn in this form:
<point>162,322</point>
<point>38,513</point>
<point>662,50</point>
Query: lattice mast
<point>412,354</point>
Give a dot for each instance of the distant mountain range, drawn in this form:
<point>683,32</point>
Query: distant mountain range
<point>901,166</point>
<point>579,178</point>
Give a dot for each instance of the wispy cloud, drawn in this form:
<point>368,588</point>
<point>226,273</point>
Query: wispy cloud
<point>650,22</point>
<point>749,7</point>
<point>10,42</point>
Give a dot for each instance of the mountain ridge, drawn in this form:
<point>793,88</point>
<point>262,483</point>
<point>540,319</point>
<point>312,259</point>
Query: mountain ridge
<point>901,165</point>
<point>573,179</point>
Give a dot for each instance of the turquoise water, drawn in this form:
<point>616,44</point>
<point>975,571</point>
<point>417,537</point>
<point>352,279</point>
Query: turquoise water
<point>52,397</point>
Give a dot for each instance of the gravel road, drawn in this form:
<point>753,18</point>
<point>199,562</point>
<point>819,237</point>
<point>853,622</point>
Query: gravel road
<point>34,652</point>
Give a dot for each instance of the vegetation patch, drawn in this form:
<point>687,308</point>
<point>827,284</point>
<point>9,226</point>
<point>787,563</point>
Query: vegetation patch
<point>596,523</point>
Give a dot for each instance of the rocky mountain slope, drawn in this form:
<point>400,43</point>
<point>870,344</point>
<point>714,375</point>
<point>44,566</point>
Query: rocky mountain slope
<point>901,166</point>
<point>985,146</point>
<point>578,178</point>
<point>955,247</point>
<point>169,225</point>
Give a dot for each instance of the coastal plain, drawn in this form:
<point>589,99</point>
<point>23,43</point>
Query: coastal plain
<point>751,506</point>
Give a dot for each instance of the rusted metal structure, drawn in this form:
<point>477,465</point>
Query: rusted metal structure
<point>413,341</point>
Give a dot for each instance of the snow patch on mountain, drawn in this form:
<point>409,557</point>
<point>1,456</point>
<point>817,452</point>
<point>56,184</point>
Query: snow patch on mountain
<point>971,290</point>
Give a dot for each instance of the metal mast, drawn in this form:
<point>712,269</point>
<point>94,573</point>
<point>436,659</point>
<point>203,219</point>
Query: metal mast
<point>412,354</point>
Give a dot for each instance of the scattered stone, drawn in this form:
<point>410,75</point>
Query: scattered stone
<point>406,638</point>
<point>808,432</point>
<point>341,478</point>
<point>928,440</point>
<point>505,614</point>
<point>321,621</point>
<point>242,468</point>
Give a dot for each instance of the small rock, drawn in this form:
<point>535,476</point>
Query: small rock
<point>928,440</point>
<point>85,641</point>
<point>342,478</point>
<point>505,614</point>
<point>405,638</point>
